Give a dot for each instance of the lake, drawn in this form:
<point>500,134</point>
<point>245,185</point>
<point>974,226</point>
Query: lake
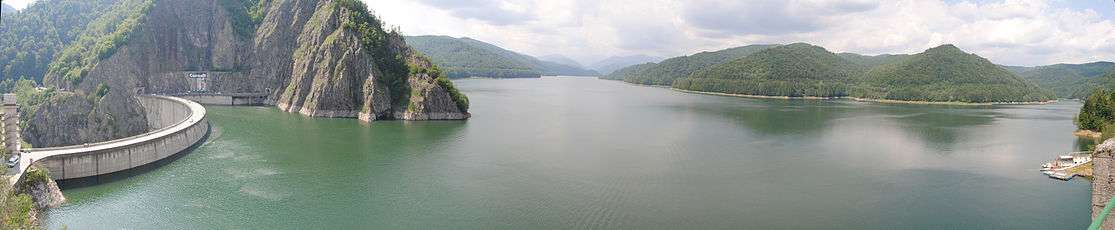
<point>583,153</point>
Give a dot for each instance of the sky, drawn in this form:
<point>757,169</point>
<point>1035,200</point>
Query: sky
<point>1011,32</point>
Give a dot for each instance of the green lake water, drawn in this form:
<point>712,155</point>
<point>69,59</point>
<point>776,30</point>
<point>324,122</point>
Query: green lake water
<point>582,153</point>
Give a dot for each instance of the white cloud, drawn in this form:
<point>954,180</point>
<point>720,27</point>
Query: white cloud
<point>1014,32</point>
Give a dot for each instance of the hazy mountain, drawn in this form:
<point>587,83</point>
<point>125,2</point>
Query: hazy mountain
<point>613,63</point>
<point>561,59</point>
<point>466,57</point>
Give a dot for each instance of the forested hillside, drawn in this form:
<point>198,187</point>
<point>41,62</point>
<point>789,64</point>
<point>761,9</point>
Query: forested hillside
<point>795,70</point>
<point>1069,80</point>
<point>873,61</point>
<point>30,39</point>
<point>466,57</point>
<point>1098,112</point>
<point>947,74</point>
<point>665,72</point>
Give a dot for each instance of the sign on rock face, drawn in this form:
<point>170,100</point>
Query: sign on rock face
<point>199,82</point>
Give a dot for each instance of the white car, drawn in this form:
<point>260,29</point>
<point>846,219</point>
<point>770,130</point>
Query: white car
<point>13,161</point>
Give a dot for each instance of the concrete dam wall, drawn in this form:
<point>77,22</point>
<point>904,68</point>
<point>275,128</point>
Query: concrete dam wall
<point>176,125</point>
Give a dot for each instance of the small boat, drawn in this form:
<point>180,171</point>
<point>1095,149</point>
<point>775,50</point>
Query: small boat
<point>1062,176</point>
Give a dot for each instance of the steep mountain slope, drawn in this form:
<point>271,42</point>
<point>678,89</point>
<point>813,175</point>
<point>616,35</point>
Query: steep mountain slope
<point>795,70</point>
<point>30,39</point>
<point>665,72</point>
<point>466,57</point>
<point>948,74</point>
<point>613,63</point>
<point>326,58</point>
<point>347,65</point>
<point>1068,80</point>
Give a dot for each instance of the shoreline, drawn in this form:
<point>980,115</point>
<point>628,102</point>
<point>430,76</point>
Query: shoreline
<point>885,101</point>
<point>1088,134</point>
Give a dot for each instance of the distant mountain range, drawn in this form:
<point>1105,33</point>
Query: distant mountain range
<point>1069,80</point>
<point>941,74</point>
<point>561,59</point>
<point>466,57</point>
<point>613,63</point>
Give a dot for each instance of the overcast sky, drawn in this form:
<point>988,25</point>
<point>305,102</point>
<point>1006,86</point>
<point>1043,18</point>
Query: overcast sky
<point>1013,32</point>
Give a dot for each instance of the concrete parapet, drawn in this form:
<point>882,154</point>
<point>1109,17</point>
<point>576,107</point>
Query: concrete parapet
<point>176,125</point>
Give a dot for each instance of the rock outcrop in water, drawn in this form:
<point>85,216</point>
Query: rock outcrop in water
<point>344,64</point>
<point>44,193</point>
<point>322,58</point>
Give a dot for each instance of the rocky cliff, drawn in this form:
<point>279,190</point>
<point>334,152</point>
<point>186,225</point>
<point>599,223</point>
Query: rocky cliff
<point>73,119</point>
<point>153,45</point>
<point>44,191</point>
<point>323,58</point>
<point>344,64</point>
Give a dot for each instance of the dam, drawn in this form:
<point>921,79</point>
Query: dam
<point>175,125</point>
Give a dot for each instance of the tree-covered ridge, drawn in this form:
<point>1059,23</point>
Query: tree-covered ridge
<point>665,72</point>
<point>30,39</point>
<point>1017,69</point>
<point>795,70</point>
<point>1069,80</point>
<point>1098,112</point>
<point>873,61</point>
<point>947,74</point>
<point>466,57</point>
<point>394,56</point>
<point>100,40</point>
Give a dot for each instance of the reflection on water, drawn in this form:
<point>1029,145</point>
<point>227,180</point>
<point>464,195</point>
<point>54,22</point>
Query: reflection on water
<point>590,154</point>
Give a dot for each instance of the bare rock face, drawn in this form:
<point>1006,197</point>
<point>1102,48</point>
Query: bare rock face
<point>304,53</point>
<point>45,194</point>
<point>275,41</point>
<point>176,37</point>
<point>74,119</point>
<point>334,75</point>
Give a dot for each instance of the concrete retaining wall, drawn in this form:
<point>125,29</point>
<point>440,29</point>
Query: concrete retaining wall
<point>177,124</point>
<point>216,99</point>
